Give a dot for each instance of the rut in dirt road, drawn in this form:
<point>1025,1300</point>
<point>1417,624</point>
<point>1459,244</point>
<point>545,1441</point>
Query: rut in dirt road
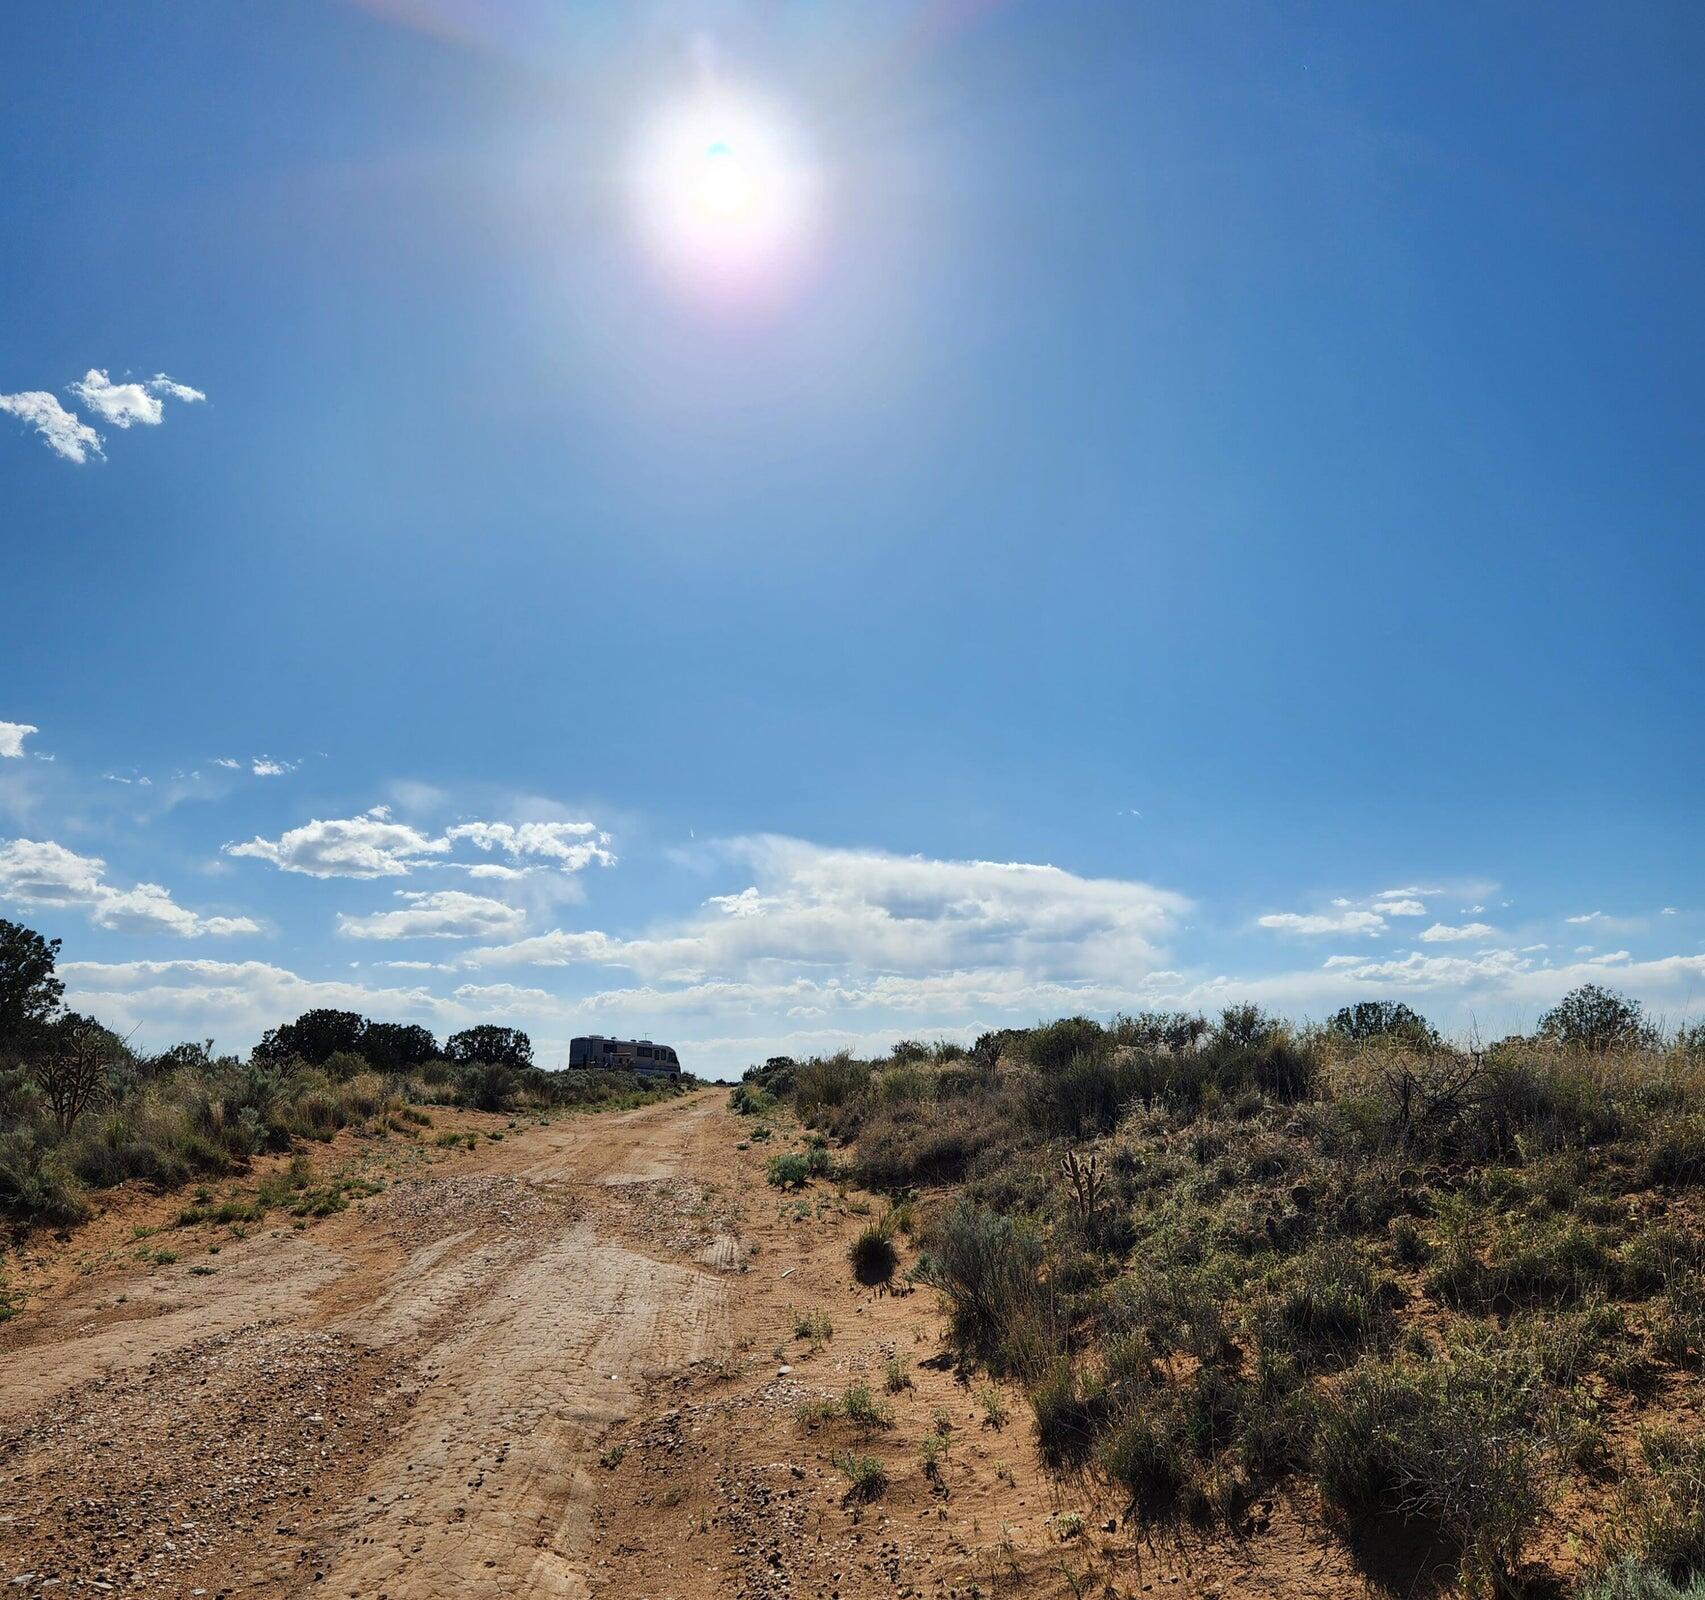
<point>406,1399</point>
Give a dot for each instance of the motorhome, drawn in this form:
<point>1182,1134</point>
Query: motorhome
<point>623,1055</point>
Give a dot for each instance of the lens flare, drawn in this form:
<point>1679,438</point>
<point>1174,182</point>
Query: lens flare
<point>726,199</point>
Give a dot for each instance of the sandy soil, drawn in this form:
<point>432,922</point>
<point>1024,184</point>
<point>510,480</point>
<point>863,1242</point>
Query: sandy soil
<point>561,1364</point>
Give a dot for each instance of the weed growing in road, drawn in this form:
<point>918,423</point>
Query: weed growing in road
<point>815,1326</point>
<point>932,1452</point>
<point>995,1412</point>
<point>611,1458</point>
<point>863,1409</point>
<point>895,1377</point>
<point>866,1476</point>
<point>813,1413</point>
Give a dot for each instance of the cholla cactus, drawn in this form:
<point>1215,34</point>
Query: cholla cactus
<point>1084,1175</point>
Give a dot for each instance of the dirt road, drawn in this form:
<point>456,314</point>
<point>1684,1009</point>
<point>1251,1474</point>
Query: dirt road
<point>594,1356</point>
<point>405,1398</point>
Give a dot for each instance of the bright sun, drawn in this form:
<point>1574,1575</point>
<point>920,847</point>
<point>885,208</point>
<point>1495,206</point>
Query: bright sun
<point>726,198</point>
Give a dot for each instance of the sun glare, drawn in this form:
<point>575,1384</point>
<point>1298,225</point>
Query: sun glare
<point>726,199</point>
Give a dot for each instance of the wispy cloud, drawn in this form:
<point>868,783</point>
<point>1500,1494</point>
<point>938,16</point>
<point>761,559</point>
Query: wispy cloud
<point>64,432</point>
<point>446,914</point>
<point>1444,933</point>
<point>43,873</point>
<point>1370,923</point>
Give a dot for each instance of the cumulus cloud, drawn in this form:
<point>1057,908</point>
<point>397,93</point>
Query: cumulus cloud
<point>869,912</point>
<point>12,736</point>
<point>1443,933</point>
<point>352,847</point>
<point>43,873</point>
<point>447,914</point>
<point>122,404</point>
<point>64,432</point>
<point>375,846</point>
<point>1587,916</point>
<point>266,767</point>
<point>1400,907</point>
<point>1370,923</point>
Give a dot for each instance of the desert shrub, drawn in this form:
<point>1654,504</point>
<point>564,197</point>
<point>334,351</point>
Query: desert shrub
<point>828,1084</point>
<point>1451,1444</point>
<point>1068,1411</point>
<point>35,1185</point>
<point>1085,1096</point>
<point>1159,1030</point>
<point>1056,1045</point>
<point>489,1085</point>
<point>747,1100</point>
<point>1659,1525</point>
<point>789,1171</point>
<point>990,1271</point>
<point>872,1255</point>
<point>906,1144</point>
<point>1674,1152</point>
<point>1627,1579</point>
<point>1330,1304</point>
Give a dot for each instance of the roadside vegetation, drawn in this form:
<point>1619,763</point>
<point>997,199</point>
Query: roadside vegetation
<point>81,1110</point>
<point>1457,1289</point>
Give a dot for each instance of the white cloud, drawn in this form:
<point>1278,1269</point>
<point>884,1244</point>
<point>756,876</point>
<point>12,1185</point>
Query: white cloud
<point>161,384</point>
<point>42,873</point>
<point>374,846</point>
<point>64,431</point>
<point>1668,911</point>
<point>1443,933</point>
<point>122,404</point>
<point>355,847</point>
<point>1611,958</point>
<point>1589,916</point>
<point>1370,923</point>
<point>12,736</point>
<point>868,912</point>
<point>447,914</point>
<point>1400,908</point>
<point>571,845</point>
<point>266,767</point>
<point>234,1001</point>
<point>227,761</point>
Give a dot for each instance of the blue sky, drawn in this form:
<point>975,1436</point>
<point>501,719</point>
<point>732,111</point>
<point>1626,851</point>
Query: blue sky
<point>1126,505</point>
